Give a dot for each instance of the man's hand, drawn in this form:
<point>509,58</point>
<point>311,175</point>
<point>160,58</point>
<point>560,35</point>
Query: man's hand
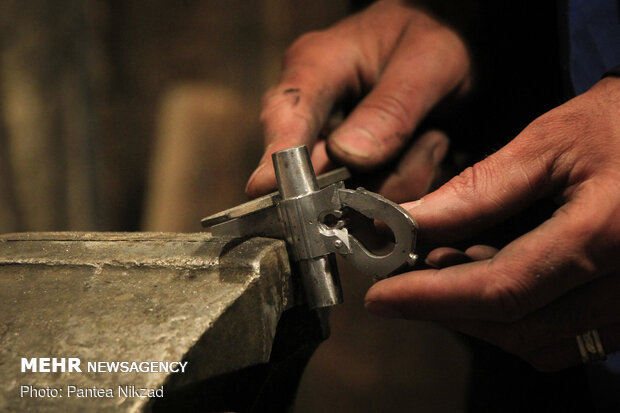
<point>563,278</point>
<point>401,59</point>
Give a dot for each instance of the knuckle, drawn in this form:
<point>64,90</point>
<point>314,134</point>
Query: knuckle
<point>554,131</point>
<point>269,99</point>
<point>464,184</point>
<point>391,108</point>
<point>475,180</point>
<point>562,117</point>
<point>307,41</point>
<point>275,104</point>
<point>279,120</point>
<point>444,41</point>
<point>299,44</point>
<point>452,44</point>
<point>271,102</point>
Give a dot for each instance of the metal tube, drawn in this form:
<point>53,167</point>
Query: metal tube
<point>294,172</point>
<point>321,282</point>
<point>296,178</point>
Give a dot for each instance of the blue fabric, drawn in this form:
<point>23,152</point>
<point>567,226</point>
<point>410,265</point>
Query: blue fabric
<point>604,383</point>
<point>594,33</point>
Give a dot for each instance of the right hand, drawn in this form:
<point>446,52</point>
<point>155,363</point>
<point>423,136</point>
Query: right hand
<point>402,59</point>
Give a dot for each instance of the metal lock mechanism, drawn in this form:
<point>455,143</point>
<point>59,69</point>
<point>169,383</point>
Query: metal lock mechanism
<point>306,212</point>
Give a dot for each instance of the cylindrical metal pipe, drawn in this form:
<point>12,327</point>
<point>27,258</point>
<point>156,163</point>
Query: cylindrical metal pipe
<point>321,282</point>
<point>296,178</point>
<point>294,172</point>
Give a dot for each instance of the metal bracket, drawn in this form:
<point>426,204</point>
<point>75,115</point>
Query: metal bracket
<point>308,213</point>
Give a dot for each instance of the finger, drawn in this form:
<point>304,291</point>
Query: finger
<point>430,62</point>
<point>481,252</point>
<point>320,161</point>
<point>446,257</point>
<point>533,270</point>
<point>295,110</point>
<point>318,69</point>
<point>416,170</point>
<point>487,192</point>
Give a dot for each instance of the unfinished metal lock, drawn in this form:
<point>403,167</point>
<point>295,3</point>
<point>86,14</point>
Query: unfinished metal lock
<point>306,212</point>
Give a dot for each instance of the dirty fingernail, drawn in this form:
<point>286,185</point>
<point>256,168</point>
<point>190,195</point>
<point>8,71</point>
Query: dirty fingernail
<point>382,309</point>
<point>439,152</point>
<point>356,142</point>
<point>256,172</point>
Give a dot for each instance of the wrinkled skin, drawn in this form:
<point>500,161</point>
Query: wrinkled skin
<point>535,295</point>
<point>373,52</point>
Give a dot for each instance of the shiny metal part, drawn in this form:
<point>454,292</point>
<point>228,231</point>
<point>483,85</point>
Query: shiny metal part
<point>294,172</point>
<point>375,206</point>
<point>320,281</point>
<point>297,183</point>
<point>269,200</point>
<point>309,214</point>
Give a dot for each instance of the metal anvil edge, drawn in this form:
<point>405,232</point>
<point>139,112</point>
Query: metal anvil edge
<point>226,307</point>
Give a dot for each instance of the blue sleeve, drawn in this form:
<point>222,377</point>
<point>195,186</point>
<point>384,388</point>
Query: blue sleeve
<point>594,34</point>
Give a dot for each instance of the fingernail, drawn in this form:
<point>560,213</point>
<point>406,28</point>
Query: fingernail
<point>357,142</point>
<point>257,171</point>
<point>382,309</point>
<point>439,152</point>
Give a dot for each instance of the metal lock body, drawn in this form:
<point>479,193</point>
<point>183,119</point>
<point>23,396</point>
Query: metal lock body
<point>306,213</point>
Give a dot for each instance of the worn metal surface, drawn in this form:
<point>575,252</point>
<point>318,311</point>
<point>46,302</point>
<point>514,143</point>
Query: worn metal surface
<point>269,200</point>
<point>316,223</point>
<point>297,185</point>
<point>135,297</point>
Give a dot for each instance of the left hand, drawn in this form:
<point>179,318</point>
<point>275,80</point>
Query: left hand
<point>561,279</point>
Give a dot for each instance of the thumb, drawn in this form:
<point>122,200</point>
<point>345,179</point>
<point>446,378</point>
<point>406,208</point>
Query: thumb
<point>485,193</point>
<point>382,123</point>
